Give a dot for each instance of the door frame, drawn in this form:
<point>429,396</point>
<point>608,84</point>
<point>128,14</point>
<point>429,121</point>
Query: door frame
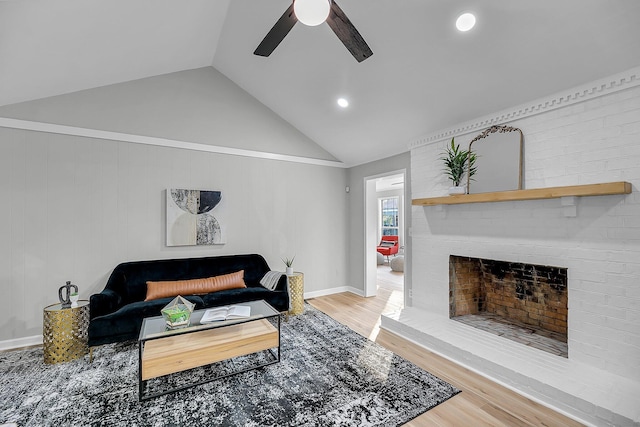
<point>371,229</point>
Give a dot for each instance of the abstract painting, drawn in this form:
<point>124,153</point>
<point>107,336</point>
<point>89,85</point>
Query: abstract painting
<point>190,220</point>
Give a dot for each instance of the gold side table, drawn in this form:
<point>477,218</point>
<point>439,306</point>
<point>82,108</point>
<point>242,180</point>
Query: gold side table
<point>296,292</point>
<point>65,332</point>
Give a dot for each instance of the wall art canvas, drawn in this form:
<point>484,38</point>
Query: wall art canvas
<point>191,218</point>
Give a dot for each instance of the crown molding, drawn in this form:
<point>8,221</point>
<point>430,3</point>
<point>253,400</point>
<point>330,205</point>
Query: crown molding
<point>161,142</point>
<point>578,94</point>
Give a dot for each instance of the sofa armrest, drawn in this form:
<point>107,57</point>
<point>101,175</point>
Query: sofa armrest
<point>282,284</point>
<point>103,303</point>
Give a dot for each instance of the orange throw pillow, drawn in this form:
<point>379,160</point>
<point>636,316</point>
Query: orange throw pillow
<point>156,290</point>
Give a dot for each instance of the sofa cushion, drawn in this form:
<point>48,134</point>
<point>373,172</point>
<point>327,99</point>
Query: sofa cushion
<point>173,288</point>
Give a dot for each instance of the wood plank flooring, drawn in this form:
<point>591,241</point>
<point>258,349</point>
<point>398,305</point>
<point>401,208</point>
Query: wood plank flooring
<point>481,403</point>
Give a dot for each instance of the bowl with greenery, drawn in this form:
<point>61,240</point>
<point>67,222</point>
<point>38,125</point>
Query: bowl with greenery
<point>177,314</point>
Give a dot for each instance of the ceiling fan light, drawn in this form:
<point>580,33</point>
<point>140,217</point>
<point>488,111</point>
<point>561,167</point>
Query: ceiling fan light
<point>312,12</point>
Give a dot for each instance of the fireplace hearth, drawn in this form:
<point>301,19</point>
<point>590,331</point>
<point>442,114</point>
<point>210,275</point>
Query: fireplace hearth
<point>526,303</point>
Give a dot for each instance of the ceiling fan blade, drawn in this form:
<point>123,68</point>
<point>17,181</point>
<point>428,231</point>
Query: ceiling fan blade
<point>277,33</point>
<point>347,33</point>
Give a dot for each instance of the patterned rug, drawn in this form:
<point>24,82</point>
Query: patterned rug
<point>328,376</point>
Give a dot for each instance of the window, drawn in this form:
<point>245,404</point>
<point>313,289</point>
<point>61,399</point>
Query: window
<point>389,216</point>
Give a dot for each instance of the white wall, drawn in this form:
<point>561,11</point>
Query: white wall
<point>590,140</point>
<point>73,207</point>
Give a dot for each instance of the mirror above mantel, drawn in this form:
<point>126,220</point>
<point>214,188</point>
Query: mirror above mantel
<point>498,160</point>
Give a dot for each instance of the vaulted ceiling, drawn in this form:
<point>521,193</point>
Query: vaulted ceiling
<point>424,75</point>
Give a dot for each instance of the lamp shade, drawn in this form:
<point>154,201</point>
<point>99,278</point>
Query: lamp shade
<point>312,12</point>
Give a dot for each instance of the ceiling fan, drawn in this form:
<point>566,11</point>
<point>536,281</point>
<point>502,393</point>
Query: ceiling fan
<point>315,12</point>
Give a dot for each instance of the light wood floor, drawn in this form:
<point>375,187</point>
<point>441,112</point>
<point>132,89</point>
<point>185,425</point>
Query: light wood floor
<point>481,403</point>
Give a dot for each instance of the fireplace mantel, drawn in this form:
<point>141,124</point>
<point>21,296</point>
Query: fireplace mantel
<point>603,189</point>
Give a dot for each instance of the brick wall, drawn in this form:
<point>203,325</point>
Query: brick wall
<point>525,293</point>
<point>587,141</point>
<point>466,293</point>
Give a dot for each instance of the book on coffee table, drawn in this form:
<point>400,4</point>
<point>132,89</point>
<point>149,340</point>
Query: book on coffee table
<point>229,312</point>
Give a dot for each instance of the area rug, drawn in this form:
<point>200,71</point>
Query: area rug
<point>328,376</point>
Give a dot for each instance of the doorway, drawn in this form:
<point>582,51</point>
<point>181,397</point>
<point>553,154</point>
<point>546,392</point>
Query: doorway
<point>385,201</point>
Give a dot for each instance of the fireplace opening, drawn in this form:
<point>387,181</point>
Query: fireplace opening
<point>525,303</point>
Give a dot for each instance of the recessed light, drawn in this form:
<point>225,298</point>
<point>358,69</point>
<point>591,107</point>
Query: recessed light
<point>343,102</point>
<point>465,22</point>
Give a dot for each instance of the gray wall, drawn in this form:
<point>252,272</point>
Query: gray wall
<point>74,207</point>
<point>356,178</point>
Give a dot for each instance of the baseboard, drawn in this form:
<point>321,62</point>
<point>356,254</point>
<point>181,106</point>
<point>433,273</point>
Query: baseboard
<point>20,342</point>
<point>331,291</point>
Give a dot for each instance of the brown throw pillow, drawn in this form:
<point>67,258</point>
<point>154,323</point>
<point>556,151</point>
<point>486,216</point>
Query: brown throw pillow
<point>156,290</point>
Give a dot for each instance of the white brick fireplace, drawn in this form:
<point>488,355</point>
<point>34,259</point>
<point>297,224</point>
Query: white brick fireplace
<point>585,135</point>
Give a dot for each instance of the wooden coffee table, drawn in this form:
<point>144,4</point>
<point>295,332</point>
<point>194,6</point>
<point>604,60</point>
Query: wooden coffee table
<point>165,351</point>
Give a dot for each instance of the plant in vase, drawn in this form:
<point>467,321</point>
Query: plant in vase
<point>289,264</point>
<point>456,162</point>
<point>177,314</point>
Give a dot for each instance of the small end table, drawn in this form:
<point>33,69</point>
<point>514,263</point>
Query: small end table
<point>65,332</point>
<point>296,292</point>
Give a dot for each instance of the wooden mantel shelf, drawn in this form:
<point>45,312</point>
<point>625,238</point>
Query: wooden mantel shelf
<point>604,189</point>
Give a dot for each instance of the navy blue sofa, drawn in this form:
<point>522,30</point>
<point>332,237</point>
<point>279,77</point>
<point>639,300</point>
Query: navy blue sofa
<point>116,313</point>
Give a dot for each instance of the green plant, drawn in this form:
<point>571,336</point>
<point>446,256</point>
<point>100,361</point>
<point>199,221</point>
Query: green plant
<point>177,314</point>
<point>288,262</point>
<point>456,162</point>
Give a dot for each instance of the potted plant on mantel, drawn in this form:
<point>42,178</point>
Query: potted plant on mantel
<point>456,162</point>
